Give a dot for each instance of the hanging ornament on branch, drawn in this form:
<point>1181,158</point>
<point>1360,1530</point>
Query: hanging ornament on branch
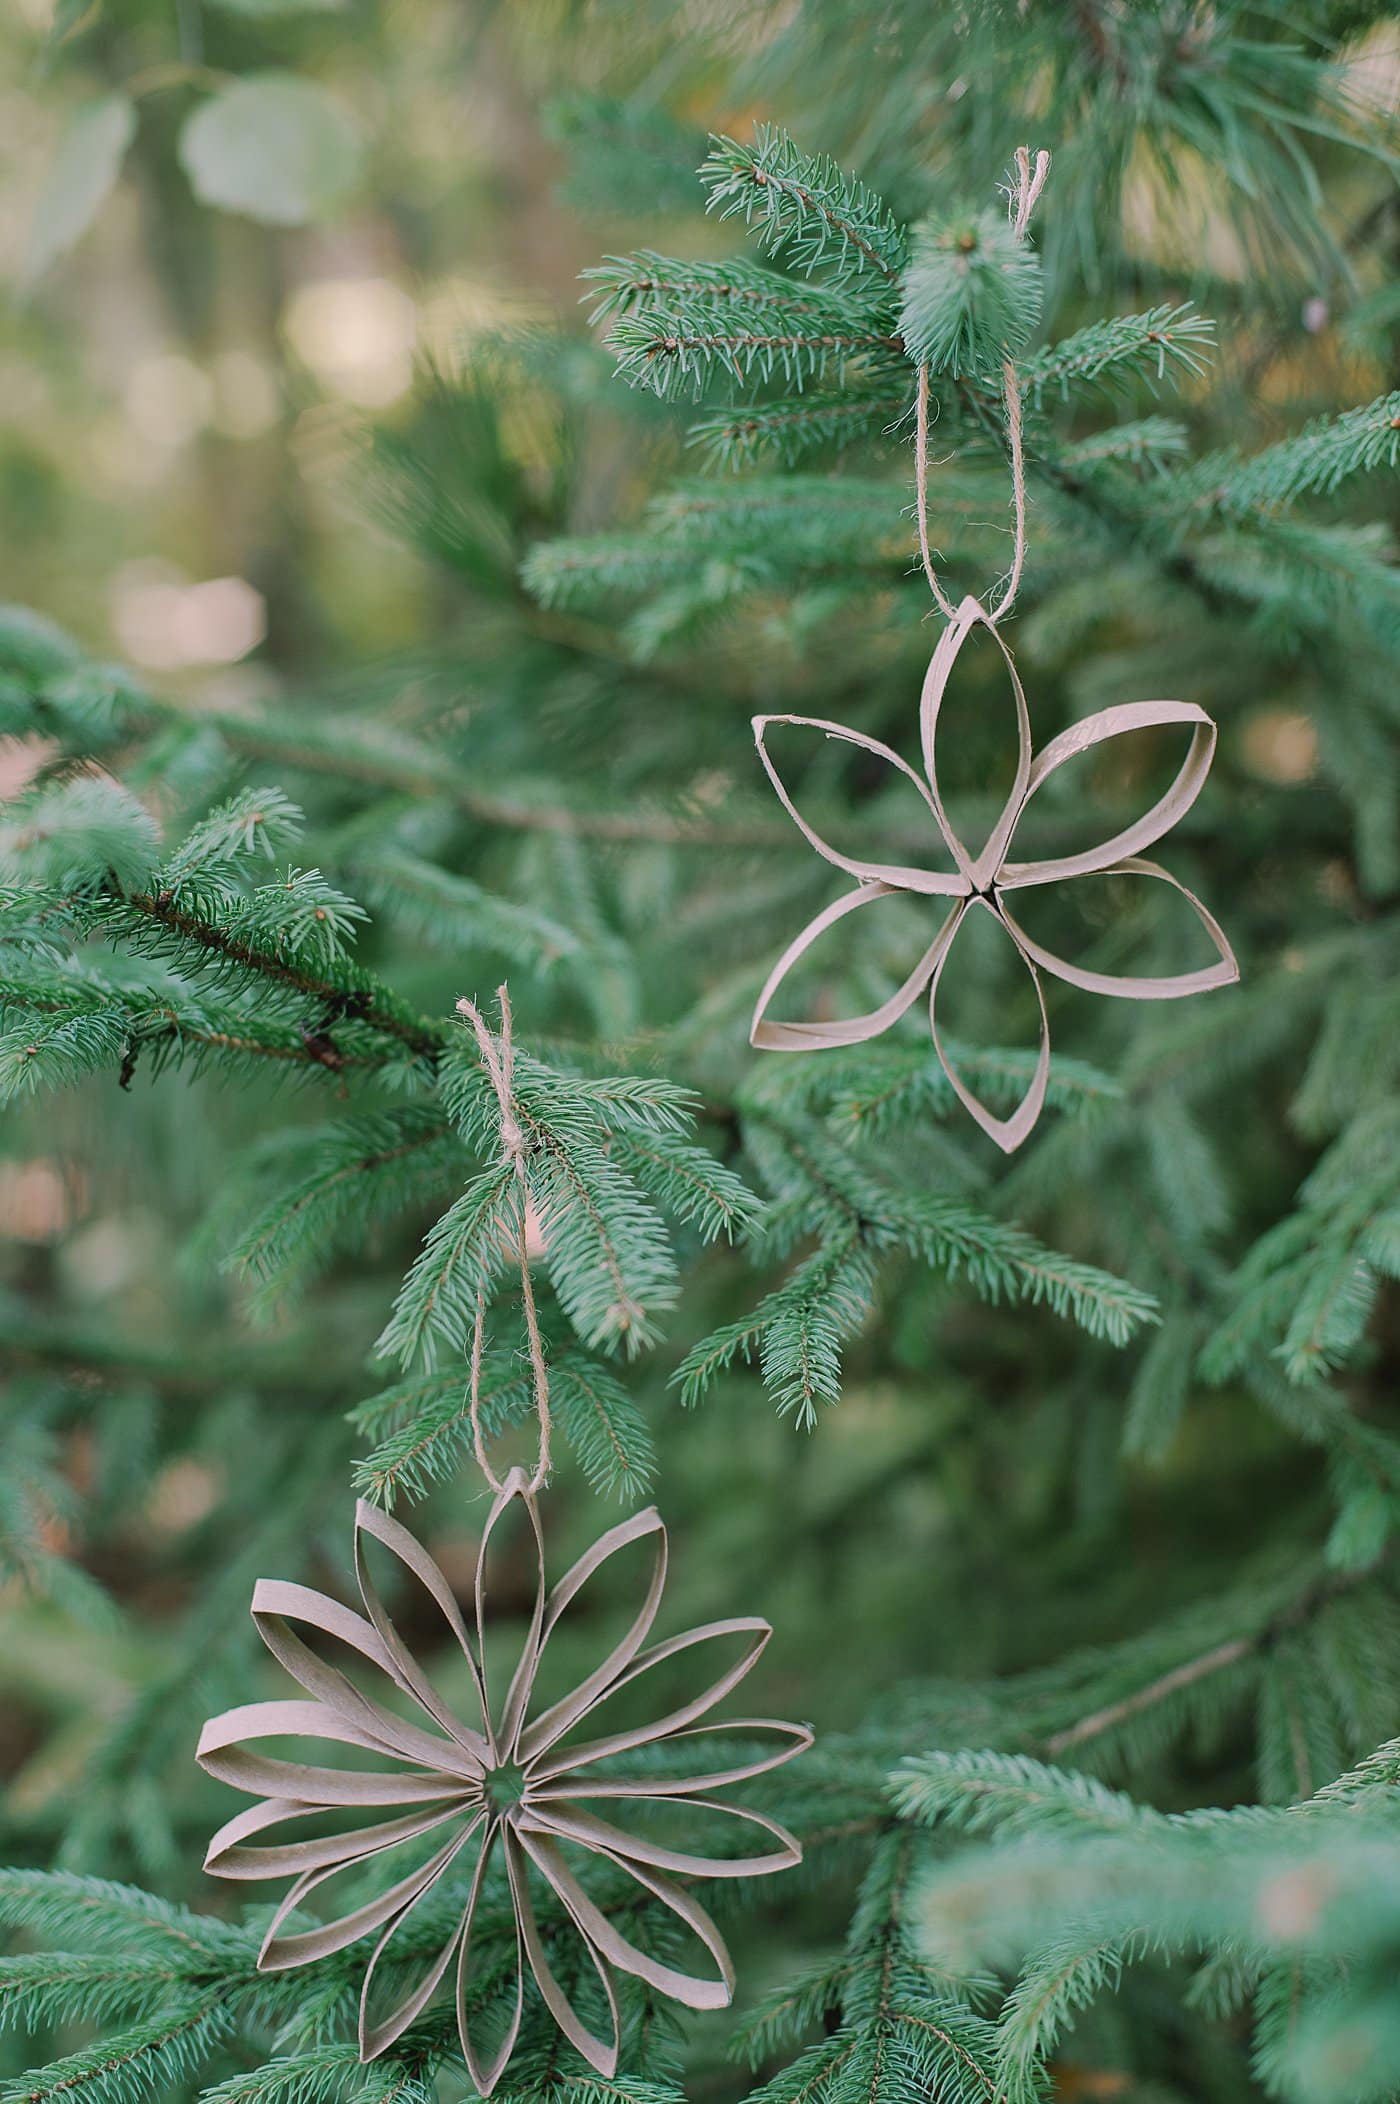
<point>508,1788</point>
<point>988,879</point>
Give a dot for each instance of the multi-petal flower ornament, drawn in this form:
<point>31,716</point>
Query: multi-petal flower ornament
<point>989,879</point>
<point>509,1779</point>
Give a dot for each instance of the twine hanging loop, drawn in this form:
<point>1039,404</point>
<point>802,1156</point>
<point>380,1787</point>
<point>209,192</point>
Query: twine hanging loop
<point>1022,196</point>
<point>497,1051</point>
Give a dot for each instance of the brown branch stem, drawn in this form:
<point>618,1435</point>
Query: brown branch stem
<point>352,1003</point>
<point>1192,1670</point>
<point>1183,1676</point>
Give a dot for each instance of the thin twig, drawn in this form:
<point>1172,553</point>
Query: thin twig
<point>354,1003</point>
<point>1183,1676</point>
<point>1230,1653</point>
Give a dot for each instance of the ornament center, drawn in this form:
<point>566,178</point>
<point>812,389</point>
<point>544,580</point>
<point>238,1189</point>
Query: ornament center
<point>505,1788</point>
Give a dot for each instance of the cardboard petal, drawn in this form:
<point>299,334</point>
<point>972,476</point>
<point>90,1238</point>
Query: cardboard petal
<point>485,2064</point>
<point>570,1822</point>
<point>792,1740</point>
<point>372,1523</point>
<point>228,1855</point>
<point>639,1528</point>
<point>504,1718</point>
<point>1173,986</point>
<point>980,866</point>
<point>222,1753</point>
<point>902,876</point>
<point>1007,1132</point>
<point>755,1633</point>
<point>1125,721</point>
<point>276,1604</point>
<point>600,2053</point>
<point>287,1953</point>
<point>378,2032</point>
<point>769,1034</point>
<point>606,1941</point>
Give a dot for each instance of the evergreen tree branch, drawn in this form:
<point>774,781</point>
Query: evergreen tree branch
<point>1145,1698</point>
<point>135,2061</point>
<point>784,432</point>
<point>803,205</point>
<point>360,999</point>
<point>1218,1658</point>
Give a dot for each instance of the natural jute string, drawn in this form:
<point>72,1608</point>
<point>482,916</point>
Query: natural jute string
<point>498,1058</point>
<point>1030,181</point>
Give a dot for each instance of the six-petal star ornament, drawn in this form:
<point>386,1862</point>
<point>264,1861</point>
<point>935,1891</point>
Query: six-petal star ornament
<point>509,1779</point>
<point>989,879</point>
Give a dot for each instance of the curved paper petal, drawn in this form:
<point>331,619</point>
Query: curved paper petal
<point>1173,805</point>
<point>221,1754</point>
<point>978,869</point>
<point>376,2035</point>
<point>228,1857</point>
<point>487,2071</point>
<point>757,1632</point>
<point>600,2053</point>
<point>503,1722</point>
<point>406,1671</point>
<point>901,876</point>
<point>571,1823</point>
<point>1171,987</point>
<point>1007,1132</point>
<point>275,1601</point>
<point>286,1953</point>
<point>555,1721</point>
<point>795,1738</point>
<point>774,1036</point>
<point>604,1937</point>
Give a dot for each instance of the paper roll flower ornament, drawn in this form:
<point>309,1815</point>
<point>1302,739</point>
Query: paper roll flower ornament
<point>510,1782</point>
<point>989,879</point>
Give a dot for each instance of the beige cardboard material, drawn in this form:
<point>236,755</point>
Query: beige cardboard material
<point>987,880</point>
<point>442,1771</point>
